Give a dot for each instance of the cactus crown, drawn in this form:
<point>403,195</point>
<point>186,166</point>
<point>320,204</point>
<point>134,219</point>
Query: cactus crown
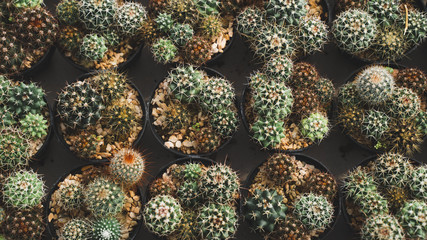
<point>23,189</point>
<point>162,215</point>
<point>127,166</point>
<point>103,197</point>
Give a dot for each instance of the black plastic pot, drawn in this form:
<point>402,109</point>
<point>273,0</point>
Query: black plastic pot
<point>57,120</point>
<point>342,197</point>
<point>39,64</point>
<point>309,160</point>
<point>121,66</point>
<point>51,228</point>
<point>210,72</point>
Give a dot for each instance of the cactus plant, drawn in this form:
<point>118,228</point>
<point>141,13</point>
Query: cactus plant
<point>70,195</point>
<point>304,75</point>
<point>403,136</point>
<point>418,181</point>
<point>23,189</point>
<point>14,149</point>
<point>225,122</point>
<point>68,11</point>
<point>164,22</point>
<point>392,169</point>
<point>217,93</point>
<point>325,90</point>
<point>417,26</point>
<point>381,227</point>
<point>290,228</point>
<point>273,100</point>
<point>188,193</point>
<point>413,219</point>
<point>404,103</point>
<point>358,184</point>
<point>127,166</point>
<point>375,124</point>
<point>220,184</point>
<point>129,17</point>
<point>24,224</point>
<point>112,37</point>
<point>34,125</point>
<point>322,183</point>
<point>12,54</point>
<point>181,34</point>
<point>348,95</point>
<point>373,204</point>
<point>315,126</point>
<point>249,21</point>
<point>375,85</point>
<point>264,209</point>
<point>27,3</point>
<point>103,197</point>
<point>314,211</point>
<point>390,44</point>
<point>148,31</point>
<point>70,38</point>
<point>93,47</point>
<point>110,84</point>
<point>192,171</point>
<point>185,83</point>
<point>207,7</point>
<point>385,11</point>
<point>217,221</point>
<point>413,79</point>
<point>289,12</point>
<point>162,215</point>
<point>279,68</point>
<point>313,34</point>
<point>26,98</point>
<point>197,51</point>
<point>106,229</point>
<point>5,85</point>
<point>97,14</point>
<point>76,229</point>
<point>187,229</point>
<point>273,40</point>
<point>268,132</point>
<point>280,167</point>
<point>211,26</point>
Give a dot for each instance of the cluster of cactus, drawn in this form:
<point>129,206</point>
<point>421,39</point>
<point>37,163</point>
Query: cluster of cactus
<point>283,28</point>
<point>185,31</point>
<point>285,93</point>
<point>193,201</point>
<point>98,27</point>
<point>379,29</point>
<point>382,108</point>
<point>193,91</point>
<point>27,31</point>
<point>24,122</point>
<point>99,99</point>
<point>387,197</point>
<point>26,224</point>
<point>287,200</point>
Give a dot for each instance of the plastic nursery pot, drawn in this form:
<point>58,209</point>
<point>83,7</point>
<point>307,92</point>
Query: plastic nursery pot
<point>318,165</point>
<point>57,120</point>
<point>39,64</point>
<point>210,72</point>
<point>351,78</point>
<point>342,197</point>
<point>50,226</point>
<point>121,66</point>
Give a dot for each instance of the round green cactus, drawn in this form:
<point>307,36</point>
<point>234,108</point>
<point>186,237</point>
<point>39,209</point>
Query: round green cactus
<point>186,83</point>
<point>219,184</point>
<point>273,100</point>
<point>191,171</point>
<point>268,132</point>
<point>106,229</point>
<point>23,189</point>
<point>6,117</point>
<point>315,126</point>
<point>417,26</point>
<point>14,149</point>
<point>264,209</point>
<point>162,215</point>
<point>404,103</point>
<point>375,124</point>
<point>249,21</point>
<point>290,12</point>
<point>381,227</point>
<point>34,125</point>
<point>358,184</point>
<point>181,34</point>
<point>225,122</point>
<point>79,105</point>
<point>68,11</point>
<point>110,84</point>
<point>187,229</point>
<point>103,197</point>
<point>348,95</point>
<point>27,3</point>
<point>93,47</point>
<point>375,85</point>
<point>392,169</point>
<point>418,182</point>
<point>354,30</point>
<point>258,78</point>
<point>211,26</point>
<point>217,93</point>
<point>76,229</point>
<point>70,195</point>
<point>188,193</point>
<point>112,37</point>
<point>325,90</point>
<point>386,12</point>
<point>413,219</point>
<point>373,204</point>
<point>217,221</point>
<point>26,98</point>
<point>164,22</point>
<point>279,68</point>
<point>207,7</point>
<point>390,44</point>
<point>129,18</point>
<point>314,211</point>
<point>127,166</point>
<point>273,40</point>
<point>97,14</point>
<point>312,35</point>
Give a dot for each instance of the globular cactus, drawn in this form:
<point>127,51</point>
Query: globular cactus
<point>375,124</point>
<point>354,30</point>
<point>288,12</point>
<point>314,211</point>
<point>403,136</point>
<point>189,193</point>
<point>373,204</point>
<point>76,229</point>
<point>106,229</point>
<point>97,15</point>
<point>264,209</point>
<point>207,7</point>
<point>386,12</point>
<point>403,104</point>
<point>181,34</point>
<point>164,22</point>
<point>217,221</point>
<point>185,83</point>
<point>413,219</point>
<point>12,54</point>
<point>268,132</point>
<point>79,105</point>
<point>27,3</point>
<point>68,12</point>
<point>322,183</point>
<point>110,84</point>
<point>34,125</point>
<point>148,31</point>
<point>183,11</point>
<point>390,44</point>
<point>280,167</point>
<point>112,37</point>
<point>375,85</point>
<point>304,75</point>
<point>103,197</point>
<point>70,38</point>
<point>219,184</point>
<point>351,119</point>
<point>306,102</point>
<point>249,21</point>
<point>6,117</point>
<point>187,229</point>
<point>87,145</point>
<point>197,51</point>
<point>258,79</point>
<point>273,40</point>
<point>23,189</point>
<point>325,90</point>
<point>70,195</point>
<point>191,172</point>
<point>279,68</point>
<point>162,215</point>
<point>358,184</point>
<point>121,119</point>
<point>127,166</point>
<point>381,227</point>
<point>273,100</point>
<point>413,79</point>
<point>417,26</point>
<point>217,93</point>
<point>225,122</point>
<point>93,47</point>
<point>290,228</point>
<point>348,95</point>
<point>211,26</point>
<point>418,180</point>
<point>26,98</point>
<point>24,224</point>
<point>129,18</point>
<point>177,117</point>
<point>13,138</point>
<point>315,127</point>
<point>312,35</point>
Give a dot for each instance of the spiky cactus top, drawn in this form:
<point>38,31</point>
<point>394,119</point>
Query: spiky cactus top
<point>381,108</point>
<point>127,166</point>
<point>162,215</point>
<point>23,189</point>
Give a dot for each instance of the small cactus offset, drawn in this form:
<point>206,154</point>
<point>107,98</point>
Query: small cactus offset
<point>26,98</point>
<point>314,211</point>
<point>264,209</point>
<point>76,229</point>
<point>164,51</point>
<point>106,229</point>
<point>217,221</point>
<point>315,127</point>
<point>34,125</point>
<point>71,195</point>
<point>103,197</point>
<point>162,215</point>
<point>268,132</point>
<point>127,166</point>
<point>413,219</point>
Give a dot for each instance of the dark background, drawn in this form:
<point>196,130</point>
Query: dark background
<point>337,151</point>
